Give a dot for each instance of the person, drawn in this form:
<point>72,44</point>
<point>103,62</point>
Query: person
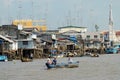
<point>54,61</point>
<point>70,60</point>
<point>48,63</point>
<point>31,55</point>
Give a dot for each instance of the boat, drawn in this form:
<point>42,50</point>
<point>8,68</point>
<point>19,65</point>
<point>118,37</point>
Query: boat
<point>57,55</point>
<point>3,58</point>
<point>72,65</point>
<point>63,65</point>
<point>26,60</point>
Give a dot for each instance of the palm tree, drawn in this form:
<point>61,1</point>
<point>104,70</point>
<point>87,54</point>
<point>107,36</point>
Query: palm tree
<point>96,27</point>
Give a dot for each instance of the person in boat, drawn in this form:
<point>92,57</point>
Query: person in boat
<point>54,61</point>
<point>70,60</point>
<point>49,64</point>
<point>49,61</point>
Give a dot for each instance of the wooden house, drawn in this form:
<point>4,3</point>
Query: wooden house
<point>8,47</point>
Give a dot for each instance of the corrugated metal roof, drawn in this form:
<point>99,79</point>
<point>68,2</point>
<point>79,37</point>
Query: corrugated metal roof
<point>7,39</point>
<point>71,27</point>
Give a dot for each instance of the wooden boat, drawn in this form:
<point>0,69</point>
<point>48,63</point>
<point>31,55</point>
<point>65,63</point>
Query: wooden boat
<point>63,65</point>
<point>73,64</point>
<point>57,55</point>
<point>26,60</point>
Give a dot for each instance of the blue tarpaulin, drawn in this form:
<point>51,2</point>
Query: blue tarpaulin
<point>73,38</point>
<point>1,41</point>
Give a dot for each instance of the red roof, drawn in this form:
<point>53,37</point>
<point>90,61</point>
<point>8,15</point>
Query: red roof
<point>117,33</point>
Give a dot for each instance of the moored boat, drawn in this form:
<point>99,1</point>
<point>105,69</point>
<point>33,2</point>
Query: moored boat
<point>3,58</point>
<point>26,60</point>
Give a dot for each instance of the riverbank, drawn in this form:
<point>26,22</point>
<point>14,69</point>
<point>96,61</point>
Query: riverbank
<point>104,67</point>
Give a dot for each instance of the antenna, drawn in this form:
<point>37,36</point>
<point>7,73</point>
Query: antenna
<point>32,13</point>
<point>91,17</point>
<point>69,18</point>
<point>8,5</point>
<point>75,15</point>
<point>20,7</point>
<point>19,25</point>
<point>46,14</point>
<point>79,19</point>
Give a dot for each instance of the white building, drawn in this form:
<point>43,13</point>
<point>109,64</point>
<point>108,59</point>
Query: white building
<point>11,45</point>
<point>72,30</point>
<point>92,39</point>
<point>92,36</point>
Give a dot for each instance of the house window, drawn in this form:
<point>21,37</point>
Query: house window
<point>88,37</point>
<point>95,36</point>
<point>25,42</point>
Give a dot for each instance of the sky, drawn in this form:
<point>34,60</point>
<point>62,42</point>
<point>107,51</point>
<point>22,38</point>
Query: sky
<point>60,13</point>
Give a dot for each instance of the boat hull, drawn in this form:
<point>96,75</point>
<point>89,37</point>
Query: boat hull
<point>26,60</point>
<point>64,65</point>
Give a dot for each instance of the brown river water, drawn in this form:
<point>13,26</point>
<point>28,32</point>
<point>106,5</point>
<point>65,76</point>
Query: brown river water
<point>105,67</point>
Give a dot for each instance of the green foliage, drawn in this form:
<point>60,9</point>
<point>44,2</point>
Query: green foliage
<point>96,27</point>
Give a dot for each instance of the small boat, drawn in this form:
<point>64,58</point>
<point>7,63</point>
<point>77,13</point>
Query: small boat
<point>73,64</point>
<point>57,55</point>
<point>26,60</point>
<point>63,65</point>
<point>3,58</point>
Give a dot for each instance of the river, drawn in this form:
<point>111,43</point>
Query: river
<point>105,67</point>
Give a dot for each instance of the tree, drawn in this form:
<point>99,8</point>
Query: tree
<point>96,27</point>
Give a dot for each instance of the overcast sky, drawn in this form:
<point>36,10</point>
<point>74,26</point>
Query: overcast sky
<point>59,13</point>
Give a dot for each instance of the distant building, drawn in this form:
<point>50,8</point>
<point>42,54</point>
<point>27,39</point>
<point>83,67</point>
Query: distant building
<point>26,44</point>
<point>106,36</point>
<point>92,39</point>
<point>7,44</point>
<point>39,24</point>
<point>93,36</point>
<point>72,30</point>
<point>118,35</point>
<point>9,31</point>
